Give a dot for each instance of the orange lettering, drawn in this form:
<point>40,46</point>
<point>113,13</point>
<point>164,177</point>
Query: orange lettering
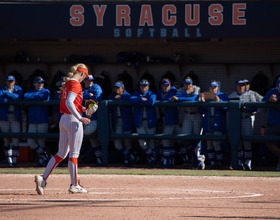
<point>192,19</point>
<point>77,17</point>
<point>238,14</point>
<point>99,14</point>
<point>168,17</point>
<point>123,15</point>
<point>215,13</point>
<point>146,16</point>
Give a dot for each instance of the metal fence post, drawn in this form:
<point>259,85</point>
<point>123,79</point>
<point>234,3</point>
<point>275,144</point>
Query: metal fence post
<point>234,130</point>
<point>103,127</point>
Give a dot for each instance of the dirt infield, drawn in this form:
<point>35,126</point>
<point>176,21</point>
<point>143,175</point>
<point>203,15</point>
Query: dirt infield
<point>141,197</point>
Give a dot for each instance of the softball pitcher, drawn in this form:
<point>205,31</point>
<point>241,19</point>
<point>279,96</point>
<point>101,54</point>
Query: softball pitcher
<point>71,130</point>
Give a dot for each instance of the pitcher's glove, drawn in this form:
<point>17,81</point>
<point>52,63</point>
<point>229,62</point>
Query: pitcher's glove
<point>91,107</point>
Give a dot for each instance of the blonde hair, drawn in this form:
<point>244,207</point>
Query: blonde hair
<point>68,77</point>
<point>74,70</point>
<point>78,65</point>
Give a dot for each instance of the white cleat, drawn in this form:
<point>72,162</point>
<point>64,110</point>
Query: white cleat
<point>40,184</point>
<point>77,189</point>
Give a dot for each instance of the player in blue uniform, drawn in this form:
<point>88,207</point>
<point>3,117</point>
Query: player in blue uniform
<point>10,118</point>
<point>191,120</point>
<point>93,91</point>
<point>169,115</point>
<point>38,117</point>
<point>145,118</point>
<point>245,147</point>
<point>122,122</point>
<point>273,121</point>
<point>214,122</point>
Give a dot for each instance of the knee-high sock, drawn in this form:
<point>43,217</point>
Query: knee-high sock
<point>15,153</point>
<point>53,162</point>
<point>9,154</point>
<point>73,170</point>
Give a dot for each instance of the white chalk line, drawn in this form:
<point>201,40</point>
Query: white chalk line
<point>116,176</point>
<point>111,191</point>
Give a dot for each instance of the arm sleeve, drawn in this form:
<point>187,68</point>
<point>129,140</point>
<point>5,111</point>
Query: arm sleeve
<point>70,104</point>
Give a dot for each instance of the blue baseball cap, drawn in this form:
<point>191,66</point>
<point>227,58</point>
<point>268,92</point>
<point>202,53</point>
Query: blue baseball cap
<point>144,82</point>
<point>213,84</point>
<point>278,82</point>
<point>90,77</point>
<point>62,79</point>
<point>246,81</point>
<point>38,80</point>
<point>188,81</point>
<point>165,82</point>
<point>10,78</point>
<point>118,84</point>
<point>239,82</point>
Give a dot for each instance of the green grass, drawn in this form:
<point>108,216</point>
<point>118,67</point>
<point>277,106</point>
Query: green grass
<point>120,171</point>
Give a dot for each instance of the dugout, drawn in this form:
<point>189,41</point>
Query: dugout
<point>222,40</point>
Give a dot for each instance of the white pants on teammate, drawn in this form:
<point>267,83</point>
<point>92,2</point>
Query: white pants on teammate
<point>145,130</point>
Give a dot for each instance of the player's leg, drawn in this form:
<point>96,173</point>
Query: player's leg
<point>15,127</point>
<point>44,157</point>
<point>273,146</point>
<point>32,128</point>
<point>97,151</point>
<point>184,145</point>
<point>63,149</point>
<point>218,151</point>
<point>5,127</point>
<point>151,157</point>
<point>75,139</point>
<point>90,129</point>
<point>168,150</point>
<point>129,157</point>
<point>41,180</point>
<point>248,154</point>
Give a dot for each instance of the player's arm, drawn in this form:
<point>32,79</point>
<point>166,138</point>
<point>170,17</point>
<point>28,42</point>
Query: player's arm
<point>70,105</point>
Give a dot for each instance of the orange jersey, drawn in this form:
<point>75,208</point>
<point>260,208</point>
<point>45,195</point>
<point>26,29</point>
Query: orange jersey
<point>75,87</point>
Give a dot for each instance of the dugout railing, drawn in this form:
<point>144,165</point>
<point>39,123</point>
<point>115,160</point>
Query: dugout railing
<point>233,135</point>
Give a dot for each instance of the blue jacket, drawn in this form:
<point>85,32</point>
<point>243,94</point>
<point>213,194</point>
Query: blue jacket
<point>187,97</point>
<point>273,113</point>
<point>171,114</point>
<point>136,98</point>
<point>97,92</point>
<point>219,116</point>
<point>126,112</point>
<point>5,97</point>
<point>38,114</point>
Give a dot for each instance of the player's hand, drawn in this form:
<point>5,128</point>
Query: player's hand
<point>85,120</point>
<point>117,96</point>
<point>216,99</point>
<point>144,99</point>
<point>174,98</point>
<point>84,109</point>
<point>273,98</point>
<point>202,97</point>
